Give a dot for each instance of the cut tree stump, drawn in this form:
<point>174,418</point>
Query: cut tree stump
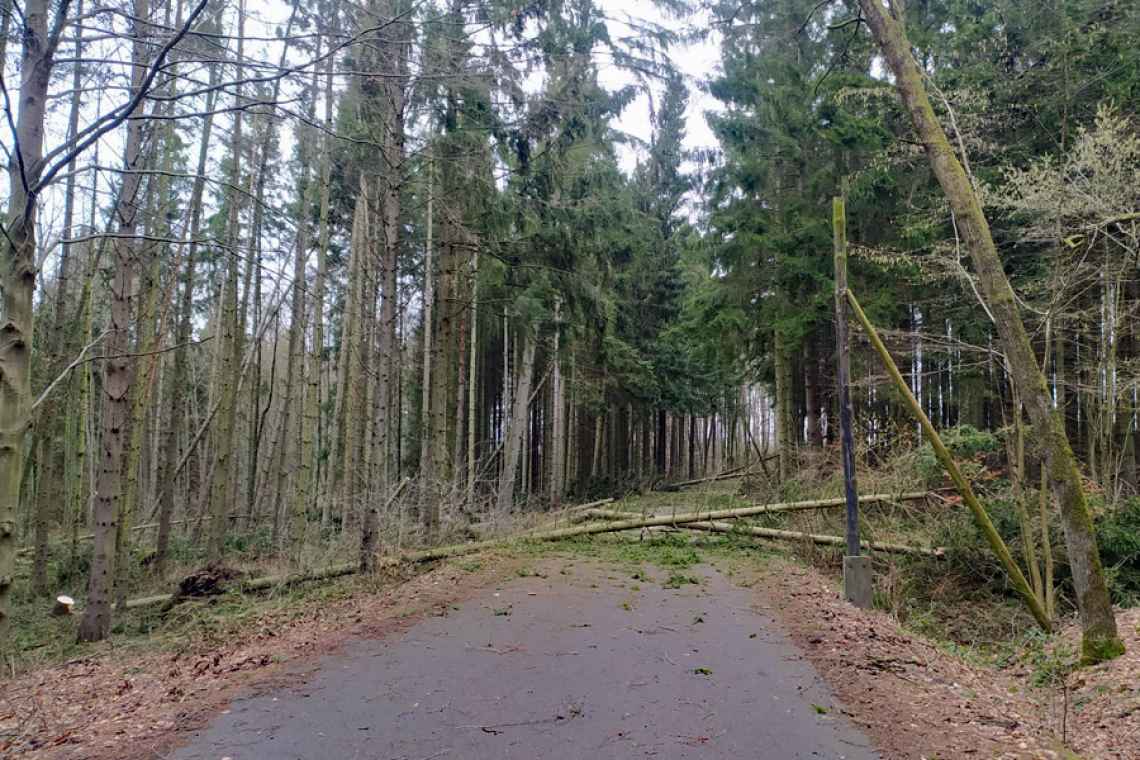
<point>64,605</point>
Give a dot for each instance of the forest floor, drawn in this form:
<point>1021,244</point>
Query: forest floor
<point>914,696</point>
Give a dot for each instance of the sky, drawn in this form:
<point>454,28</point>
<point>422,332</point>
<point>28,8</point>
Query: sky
<point>696,61</point>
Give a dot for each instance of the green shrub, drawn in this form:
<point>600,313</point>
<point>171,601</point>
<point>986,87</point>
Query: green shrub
<point>966,443</point>
<point>1118,534</point>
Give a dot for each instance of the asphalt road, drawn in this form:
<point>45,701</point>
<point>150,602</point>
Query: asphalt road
<point>586,662</point>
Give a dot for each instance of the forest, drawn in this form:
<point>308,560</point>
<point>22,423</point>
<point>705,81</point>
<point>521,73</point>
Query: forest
<point>321,281</point>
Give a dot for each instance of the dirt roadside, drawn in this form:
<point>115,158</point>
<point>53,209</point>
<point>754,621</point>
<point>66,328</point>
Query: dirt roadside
<point>916,700</point>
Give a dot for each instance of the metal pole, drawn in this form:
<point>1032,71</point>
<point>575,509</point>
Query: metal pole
<point>856,569</point>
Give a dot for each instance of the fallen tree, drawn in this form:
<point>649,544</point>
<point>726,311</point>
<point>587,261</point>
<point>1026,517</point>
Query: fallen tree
<point>981,517</point>
<point>735,472</point>
<point>1100,639</point>
<point>815,538</point>
<point>755,509</point>
<point>396,560</point>
<point>457,550</point>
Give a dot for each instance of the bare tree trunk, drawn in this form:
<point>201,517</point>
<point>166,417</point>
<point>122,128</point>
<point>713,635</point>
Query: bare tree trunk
<point>785,420</point>
<point>518,424</point>
<point>229,346</point>
<point>96,623</point>
<point>149,332</point>
<point>554,447</point>
<point>296,348</point>
<point>426,457</point>
<point>397,42</point>
<point>314,436</point>
<point>1100,639</point>
<point>298,502</point>
<point>176,412</point>
<point>470,500</point>
<point>352,345</point>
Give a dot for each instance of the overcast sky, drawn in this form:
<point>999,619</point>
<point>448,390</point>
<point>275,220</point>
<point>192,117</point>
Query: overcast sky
<point>695,61</point>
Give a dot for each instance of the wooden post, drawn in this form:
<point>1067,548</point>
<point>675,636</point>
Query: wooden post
<point>856,569</point>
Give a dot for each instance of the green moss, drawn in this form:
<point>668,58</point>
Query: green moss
<point>1095,650</point>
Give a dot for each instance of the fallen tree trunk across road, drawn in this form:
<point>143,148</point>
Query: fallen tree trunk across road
<point>456,550</point>
<point>756,509</point>
<point>815,538</point>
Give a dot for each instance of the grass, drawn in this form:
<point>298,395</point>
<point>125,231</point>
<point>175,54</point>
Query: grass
<point>44,640</point>
<point>677,580</point>
<point>663,550</point>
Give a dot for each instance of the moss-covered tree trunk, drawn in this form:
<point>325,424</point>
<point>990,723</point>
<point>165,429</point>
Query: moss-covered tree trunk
<point>1100,639</point>
<point>18,281</point>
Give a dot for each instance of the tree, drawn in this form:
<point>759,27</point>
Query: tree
<point>19,277</point>
<point>1100,640</point>
<point>117,367</point>
<point>228,344</point>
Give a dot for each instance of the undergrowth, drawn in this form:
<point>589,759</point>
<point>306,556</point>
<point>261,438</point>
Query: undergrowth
<point>191,625</point>
<point>962,601</point>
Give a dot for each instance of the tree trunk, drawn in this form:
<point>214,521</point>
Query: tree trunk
<point>49,422</point>
<point>313,435</point>
<point>470,500</point>
<point>229,345</point>
<point>296,349</point>
<point>353,343</point>
<point>426,457</point>
<point>1100,640</point>
<point>811,397</point>
<point>785,420</point>
<point>516,426</point>
<point>96,623</point>
<point>554,446</point>
<point>176,412</point>
<point>395,52</point>
<point>18,281</point>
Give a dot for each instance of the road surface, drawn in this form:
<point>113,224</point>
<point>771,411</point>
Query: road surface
<point>585,662</point>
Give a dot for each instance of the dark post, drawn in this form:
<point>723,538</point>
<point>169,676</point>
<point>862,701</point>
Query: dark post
<point>856,569</point>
